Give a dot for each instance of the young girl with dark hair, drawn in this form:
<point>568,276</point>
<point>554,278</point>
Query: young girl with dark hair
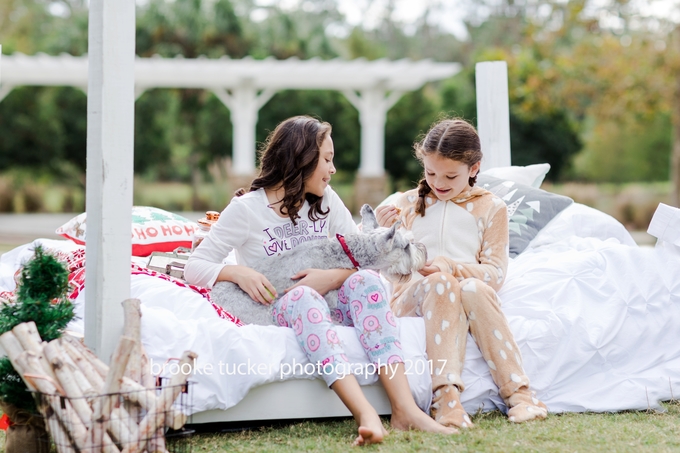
<point>465,230</point>
<point>288,203</point>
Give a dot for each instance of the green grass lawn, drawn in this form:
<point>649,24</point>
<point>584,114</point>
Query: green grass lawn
<point>619,432</point>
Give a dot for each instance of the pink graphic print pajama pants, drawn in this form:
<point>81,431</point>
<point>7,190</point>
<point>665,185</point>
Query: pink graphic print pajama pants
<point>362,304</point>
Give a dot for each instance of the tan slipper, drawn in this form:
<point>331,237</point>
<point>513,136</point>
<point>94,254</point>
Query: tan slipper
<point>447,410</point>
<point>524,406</point>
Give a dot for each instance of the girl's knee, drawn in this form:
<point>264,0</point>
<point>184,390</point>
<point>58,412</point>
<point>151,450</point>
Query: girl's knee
<point>476,286</point>
<point>473,290</point>
<point>448,280</point>
<point>302,294</point>
<point>442,284</point>
<point>302,298</point>
<point>362,284</point>
<point>367,276</point>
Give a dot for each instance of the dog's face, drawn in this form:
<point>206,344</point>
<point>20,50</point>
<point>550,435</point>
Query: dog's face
<point>400,256</point>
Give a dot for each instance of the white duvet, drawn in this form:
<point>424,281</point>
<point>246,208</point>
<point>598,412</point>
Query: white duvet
<point>596,317</point>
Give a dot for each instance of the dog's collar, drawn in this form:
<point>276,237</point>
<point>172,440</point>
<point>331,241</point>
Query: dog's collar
<point>348,252</point>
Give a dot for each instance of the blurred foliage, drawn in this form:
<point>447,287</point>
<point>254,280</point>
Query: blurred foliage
<point>613,153</point>
<point>590,96</point>
<point>43,128</point>
<point>330,106</point>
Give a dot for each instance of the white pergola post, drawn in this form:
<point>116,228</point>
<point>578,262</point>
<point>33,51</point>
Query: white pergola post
<point>244,103</point>
<point>110,137</point>
<point>493,113</point>
<point>373,106</point>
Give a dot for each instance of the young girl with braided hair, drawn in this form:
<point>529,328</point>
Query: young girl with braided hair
<point>288,203</point>
<point>465,230</point>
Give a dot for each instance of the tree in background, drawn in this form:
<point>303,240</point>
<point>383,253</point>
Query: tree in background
<point>187,28</point>
<point>44,128</point>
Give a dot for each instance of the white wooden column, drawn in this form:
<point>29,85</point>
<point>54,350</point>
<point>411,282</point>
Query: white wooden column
<point>493,113</point>
<point>110,136</point>
<point>373,106</point>
<point>244,103</point>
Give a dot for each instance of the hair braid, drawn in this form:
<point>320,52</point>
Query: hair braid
<point>423,189</point>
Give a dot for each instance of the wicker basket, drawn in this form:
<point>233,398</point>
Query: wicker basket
<point>121,427</point>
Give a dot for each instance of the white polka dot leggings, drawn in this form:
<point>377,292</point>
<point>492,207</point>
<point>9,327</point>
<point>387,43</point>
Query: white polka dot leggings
<point>450,308</point>
<point>362,304</point>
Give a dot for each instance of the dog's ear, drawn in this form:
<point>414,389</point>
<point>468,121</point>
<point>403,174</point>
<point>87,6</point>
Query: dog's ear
<point>391,232</point>
<point>368,220</point>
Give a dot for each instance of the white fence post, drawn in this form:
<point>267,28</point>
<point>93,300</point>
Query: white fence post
<point>493,113</point>
<point>110,140</point>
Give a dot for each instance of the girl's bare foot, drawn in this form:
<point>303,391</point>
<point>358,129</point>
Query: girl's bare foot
<point>418,420</point>
<point>371,431</point>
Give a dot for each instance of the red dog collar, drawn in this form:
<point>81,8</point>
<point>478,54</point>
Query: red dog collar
<point>348,252</point>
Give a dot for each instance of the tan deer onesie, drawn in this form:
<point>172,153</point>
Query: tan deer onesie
<point>468,239</point>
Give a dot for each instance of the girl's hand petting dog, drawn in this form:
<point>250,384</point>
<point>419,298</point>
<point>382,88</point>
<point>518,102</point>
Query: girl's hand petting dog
<point>387,215</point>
<point>429,268</point>
<point>255,284</point>
<point>322,281</point>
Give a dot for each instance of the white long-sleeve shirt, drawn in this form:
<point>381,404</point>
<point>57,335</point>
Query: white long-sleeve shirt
<point>255,231</point>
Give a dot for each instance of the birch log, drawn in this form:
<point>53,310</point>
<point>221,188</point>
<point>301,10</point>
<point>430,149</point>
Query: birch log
<point>28,365</point>
<point>104,404</point>
<point>89,390</point>
<point>132,328</point>
<point>154,419</point>
<point>77,397</point>
<point>119,414</point>
<point>13,349</point>
<point>10,343</point>
<point>131,390</point>
<point>157,443</point>
<point>68,383</point>
<point>28,336</point>
<point>84,365</point>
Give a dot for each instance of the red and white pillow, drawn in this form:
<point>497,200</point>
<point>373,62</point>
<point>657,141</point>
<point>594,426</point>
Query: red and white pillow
<point>152,230</point>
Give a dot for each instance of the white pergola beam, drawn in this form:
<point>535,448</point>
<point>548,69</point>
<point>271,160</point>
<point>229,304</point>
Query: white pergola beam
<point>110,136</point>
<point>245,85</point>
<point>268,74</point>
<point>493,113</point>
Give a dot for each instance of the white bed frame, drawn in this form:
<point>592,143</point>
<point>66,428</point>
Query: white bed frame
<point>304,399</point>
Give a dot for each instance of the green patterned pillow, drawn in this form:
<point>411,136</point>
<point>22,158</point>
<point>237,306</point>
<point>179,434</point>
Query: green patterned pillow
<point>529,209</point>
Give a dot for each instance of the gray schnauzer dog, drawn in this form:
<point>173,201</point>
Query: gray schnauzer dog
<point>381,249</point>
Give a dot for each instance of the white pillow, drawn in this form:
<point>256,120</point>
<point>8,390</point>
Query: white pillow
<point>665,224</point>
<point>531,175</point>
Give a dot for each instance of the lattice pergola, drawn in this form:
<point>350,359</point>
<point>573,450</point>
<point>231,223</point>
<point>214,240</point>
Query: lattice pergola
<point>246,85</point>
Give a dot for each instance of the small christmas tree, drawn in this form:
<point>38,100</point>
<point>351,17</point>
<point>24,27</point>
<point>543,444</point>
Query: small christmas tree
<point>41,298</point>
